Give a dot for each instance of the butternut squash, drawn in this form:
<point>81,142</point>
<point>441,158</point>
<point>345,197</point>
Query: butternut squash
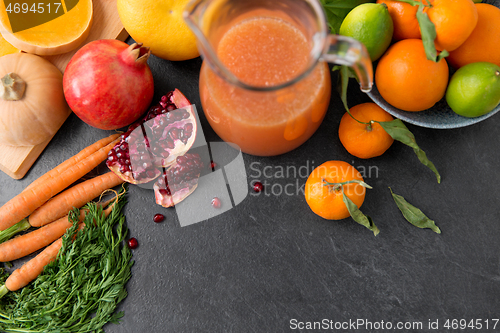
<point>6,47</point>
<point>32,103</point>
<point>54,27</point>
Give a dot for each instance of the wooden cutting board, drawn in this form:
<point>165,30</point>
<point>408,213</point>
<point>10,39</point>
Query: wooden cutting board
<point>16,161</point>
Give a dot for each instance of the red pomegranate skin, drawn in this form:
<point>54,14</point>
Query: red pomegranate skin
<point>108,83</point>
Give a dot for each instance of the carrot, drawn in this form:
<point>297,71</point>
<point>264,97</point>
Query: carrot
<point>35,240</point>
<point>74,197</point>
<point>26,202</point>
<point>30,242</point>
<point>74,160</point>
<point>32,268</point>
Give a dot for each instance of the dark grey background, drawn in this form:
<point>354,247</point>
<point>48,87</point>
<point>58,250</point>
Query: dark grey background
<point>271,260</point>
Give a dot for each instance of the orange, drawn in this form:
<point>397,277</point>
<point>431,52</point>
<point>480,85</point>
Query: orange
<point>454,21</point>
<point>482,44</point>
<point>407,80</point>
<point>326,200</point>
<point>404,18</point>
<point>362,140</point>
<point>160,26</point>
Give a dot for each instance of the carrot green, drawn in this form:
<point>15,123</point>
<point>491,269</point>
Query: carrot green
<point>78,292</point>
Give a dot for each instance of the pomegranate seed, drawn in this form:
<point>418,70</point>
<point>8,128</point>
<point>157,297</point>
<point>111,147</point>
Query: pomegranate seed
<point>158,218</point>
<point>213,165</point>
<point>216,202</point>
<point>132,243</point>
<point>258,187</point>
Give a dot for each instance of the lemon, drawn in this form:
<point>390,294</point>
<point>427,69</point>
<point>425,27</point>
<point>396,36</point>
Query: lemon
<point>371,24</point>
<point>159,25</point>
<point>474,89</point>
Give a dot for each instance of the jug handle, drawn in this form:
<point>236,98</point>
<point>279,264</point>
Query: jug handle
<point>342,50</point>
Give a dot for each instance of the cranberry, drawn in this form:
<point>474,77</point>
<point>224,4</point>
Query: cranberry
<point>132,243</point>
<point>158,218</point>
<point>216,202</point>
<point>258,187</point>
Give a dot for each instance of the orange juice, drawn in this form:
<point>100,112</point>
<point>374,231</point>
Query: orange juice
<point>265,51</point>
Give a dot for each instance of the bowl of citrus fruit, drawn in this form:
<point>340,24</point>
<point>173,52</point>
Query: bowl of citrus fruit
<point>436,63</point>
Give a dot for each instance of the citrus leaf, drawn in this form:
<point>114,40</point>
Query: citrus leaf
<point>442,54</point>
<point>398,131</point>
<point>358,216</point>
<point>338,4</point>
<point>414,215</point>
<point>337,10</point>
<point>428,31</point>
<point>412,2</point>
<point>360,182</point>
<point>344,81</point>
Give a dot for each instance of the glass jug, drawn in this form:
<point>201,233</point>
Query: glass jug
<point>265,83</point>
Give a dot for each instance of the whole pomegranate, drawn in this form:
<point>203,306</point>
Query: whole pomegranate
<point>108,83</point>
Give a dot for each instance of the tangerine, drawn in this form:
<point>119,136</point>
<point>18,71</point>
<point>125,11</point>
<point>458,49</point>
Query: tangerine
<point>365,140</point>
<point>409,81</point>
<point>454,21</point>
<point>404,18</point>
<point>327,200</point>
<point>482,44</point>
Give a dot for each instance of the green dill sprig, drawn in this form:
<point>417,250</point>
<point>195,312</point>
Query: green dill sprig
<point>78,292</point>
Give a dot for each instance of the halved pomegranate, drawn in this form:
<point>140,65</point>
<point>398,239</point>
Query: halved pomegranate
<point>173,133</point>
<point>167,131</point>
<point>179,180</point>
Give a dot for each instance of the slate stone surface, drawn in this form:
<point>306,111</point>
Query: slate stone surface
<point>271,265</point>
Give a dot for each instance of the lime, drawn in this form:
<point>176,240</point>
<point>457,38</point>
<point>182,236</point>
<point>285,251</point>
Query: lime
<point>474,89</point>
<point>371,24</point>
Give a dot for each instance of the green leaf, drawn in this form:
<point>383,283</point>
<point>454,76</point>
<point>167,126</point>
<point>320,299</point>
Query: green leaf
<point>428,31</point>
<point>358,216</point>
<point>414,215</point>
<point>337,10</point>
<point>344,82</point>
<point>398,131</point>
<point>345,74</point>
<point>412,2</point>
<point>360,182</point>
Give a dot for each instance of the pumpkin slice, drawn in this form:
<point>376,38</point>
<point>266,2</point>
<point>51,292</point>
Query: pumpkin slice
<point>45,27</point>
<point>6,47</point>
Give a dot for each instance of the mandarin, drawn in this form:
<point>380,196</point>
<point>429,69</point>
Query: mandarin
<point>365,140</point>
<point>404,18</point>
<point>407,80</point>
<point>454,21</point>
<point>482,44</point>
<point>327,200</point>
